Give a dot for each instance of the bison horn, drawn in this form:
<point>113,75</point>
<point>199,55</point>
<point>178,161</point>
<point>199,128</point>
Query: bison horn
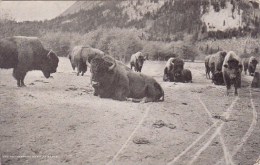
<point>112,66</point>
<point>48,55</point>
<point>88,64</point>
<point>172,61</point>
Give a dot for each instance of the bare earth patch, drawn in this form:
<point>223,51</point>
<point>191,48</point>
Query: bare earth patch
<point>59,121</point>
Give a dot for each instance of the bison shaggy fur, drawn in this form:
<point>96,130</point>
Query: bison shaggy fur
<point>25,54</point>
<point>115,80</point>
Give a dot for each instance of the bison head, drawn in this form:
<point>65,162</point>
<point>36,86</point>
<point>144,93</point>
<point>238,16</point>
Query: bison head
<point>252,65</point>
<point>102,70</point>
<point>176,69</point>
<point>234,68</point>
<point>140,61</point>
<point>217,78</point>
<point>51,64</point>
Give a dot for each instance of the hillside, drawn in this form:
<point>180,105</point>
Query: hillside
<point>165,20</point>
<point>124,27</point>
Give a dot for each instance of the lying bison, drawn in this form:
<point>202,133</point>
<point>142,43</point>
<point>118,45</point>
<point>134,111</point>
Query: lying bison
<point>137,61</point>
<point>25,54</point>
<point>81,56</point>
<point>232,68</point>
<point>114,80</point>
<point>250,64</point>
<point>175,72</point>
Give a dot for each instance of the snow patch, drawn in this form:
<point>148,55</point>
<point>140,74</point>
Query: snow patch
<point>224,19</point>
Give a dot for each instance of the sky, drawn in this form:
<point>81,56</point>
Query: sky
<point>33,10</point>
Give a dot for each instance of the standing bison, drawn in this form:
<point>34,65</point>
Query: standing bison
<point>250,64</point>
<point>81,56</point>
<point>207,68</point>
<point>137,61</point>
<point>115,80</point>
<point>232,68</point>
<point>25,54</point>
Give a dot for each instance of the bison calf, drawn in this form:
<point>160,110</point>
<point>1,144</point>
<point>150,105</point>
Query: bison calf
<point>232,69</point>
<point>25,54</point>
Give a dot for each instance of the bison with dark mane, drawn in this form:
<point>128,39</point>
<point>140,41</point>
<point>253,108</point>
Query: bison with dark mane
<point>137,61</point>
<point>81,56</point>
<point>113,79</point>
<point>25,54</point>
<point>250,64</point>
<point>232,68</point>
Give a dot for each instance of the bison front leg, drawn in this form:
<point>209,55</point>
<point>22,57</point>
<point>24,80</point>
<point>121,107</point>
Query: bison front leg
<point>19,76</point>
<point>22,80</point>
<point>121,93</point>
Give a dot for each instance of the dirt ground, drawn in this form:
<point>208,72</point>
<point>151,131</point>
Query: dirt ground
<point>59,121</point>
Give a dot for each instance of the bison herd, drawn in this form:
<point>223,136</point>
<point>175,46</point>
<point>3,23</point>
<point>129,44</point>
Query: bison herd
<point>226,68</point>
<point>111,78</point>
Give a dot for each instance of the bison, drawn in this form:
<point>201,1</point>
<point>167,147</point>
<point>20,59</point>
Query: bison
<point>175,72</point>
<point>81,56</point>
<point>115,80</point>
<point>25,54</point>
<point>207,68</point>
<point>232,68</point>
<point>250,64</point>
<point>137,61</point>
